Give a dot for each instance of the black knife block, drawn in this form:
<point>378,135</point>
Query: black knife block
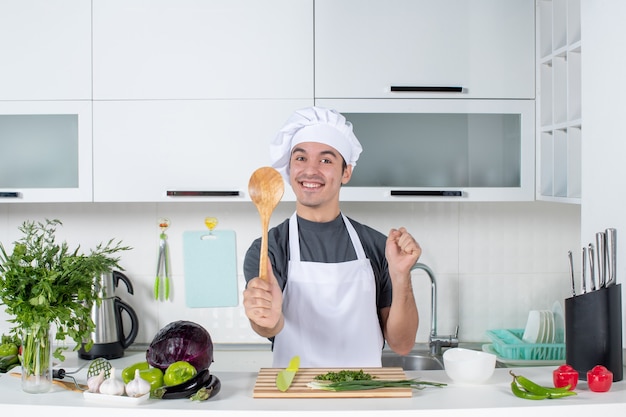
<point>593,331</point>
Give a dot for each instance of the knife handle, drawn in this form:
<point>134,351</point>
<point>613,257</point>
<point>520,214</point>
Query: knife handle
<point>571,272</point>
<point>584,271</point>
<point>611,256</point>
<point>592,268</point>
<point>601,258</point>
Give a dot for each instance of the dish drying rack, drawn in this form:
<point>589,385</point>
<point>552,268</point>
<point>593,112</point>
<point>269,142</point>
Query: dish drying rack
<point>508,344</point>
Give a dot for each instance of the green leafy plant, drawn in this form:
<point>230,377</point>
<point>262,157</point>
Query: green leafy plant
<point>44,284</point>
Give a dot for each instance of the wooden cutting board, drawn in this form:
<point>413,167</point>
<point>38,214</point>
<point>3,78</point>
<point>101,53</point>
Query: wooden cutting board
<point>265,386</point>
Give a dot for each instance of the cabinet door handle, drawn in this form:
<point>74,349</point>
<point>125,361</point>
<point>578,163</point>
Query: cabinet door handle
<point>9,194</point>
<point>426,89</point>
<point>426,193</point>
<point>176,193</point>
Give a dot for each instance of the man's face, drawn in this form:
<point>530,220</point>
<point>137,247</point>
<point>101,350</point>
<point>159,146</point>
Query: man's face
<point>316,174</point>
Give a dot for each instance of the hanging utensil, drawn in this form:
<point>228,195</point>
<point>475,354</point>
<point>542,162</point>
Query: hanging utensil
<point>571,272</point>
<point>266,188</point>
<point>162,280</point>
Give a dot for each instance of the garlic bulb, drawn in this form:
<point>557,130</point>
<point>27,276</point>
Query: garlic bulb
<point>138,386</point>
<point>112,386</point>
<point>94,382</point>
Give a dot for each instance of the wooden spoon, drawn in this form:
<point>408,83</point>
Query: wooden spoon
<point>266,188</point>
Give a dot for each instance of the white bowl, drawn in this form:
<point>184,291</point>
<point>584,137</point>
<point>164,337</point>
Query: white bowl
<point>468,366</point>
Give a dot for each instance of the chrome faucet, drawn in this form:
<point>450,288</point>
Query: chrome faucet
<point>435,341</point>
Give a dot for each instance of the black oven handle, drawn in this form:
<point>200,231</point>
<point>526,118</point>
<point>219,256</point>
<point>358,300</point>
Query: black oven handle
<point>426,193</point>
<point>426,89</point>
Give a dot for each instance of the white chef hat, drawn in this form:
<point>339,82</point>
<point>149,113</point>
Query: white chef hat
<point>314,124</point>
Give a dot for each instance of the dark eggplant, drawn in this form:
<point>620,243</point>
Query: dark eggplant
<point>184,390</point>
<point>210,390</point>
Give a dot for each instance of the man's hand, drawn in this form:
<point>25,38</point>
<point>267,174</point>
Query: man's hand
<point>263,303</point>
<point>402,251</point>
<point>400,321</point>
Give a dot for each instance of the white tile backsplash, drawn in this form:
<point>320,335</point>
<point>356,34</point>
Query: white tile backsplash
<point>493,261</point>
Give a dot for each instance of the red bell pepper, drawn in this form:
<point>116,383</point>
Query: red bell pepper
<point>565,375</point>
<point>599,379</point>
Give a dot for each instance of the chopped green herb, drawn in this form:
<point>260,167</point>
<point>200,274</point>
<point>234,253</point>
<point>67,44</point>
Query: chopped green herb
<point>345,375</point>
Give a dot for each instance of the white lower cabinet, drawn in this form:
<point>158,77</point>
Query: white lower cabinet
<point>183,150</point>
<point>45,151</point>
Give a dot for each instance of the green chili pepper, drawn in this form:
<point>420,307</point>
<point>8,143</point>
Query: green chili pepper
<point>523,387</point>
<point>518,392</point>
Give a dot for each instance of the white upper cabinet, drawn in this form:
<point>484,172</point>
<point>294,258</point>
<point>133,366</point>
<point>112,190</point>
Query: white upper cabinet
<point>183,150</point>
<point>441,150</point>
<point>45,151</point>
<point>366,49</point>
<point>45,101</point>
<point>202,49</point>
<point>559,104</point>
<point>45,50</point>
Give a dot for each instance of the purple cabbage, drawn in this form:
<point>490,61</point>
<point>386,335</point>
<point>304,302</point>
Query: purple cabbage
<point>181,341</point>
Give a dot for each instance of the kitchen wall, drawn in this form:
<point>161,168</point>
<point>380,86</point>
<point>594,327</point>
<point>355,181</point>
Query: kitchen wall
<point>493,261</point>
<point>603,204</point>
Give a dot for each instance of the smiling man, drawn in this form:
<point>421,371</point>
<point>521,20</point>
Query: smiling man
<point>336,289</point>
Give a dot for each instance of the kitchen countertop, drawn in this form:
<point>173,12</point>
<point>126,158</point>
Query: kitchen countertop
<point>235,398</point>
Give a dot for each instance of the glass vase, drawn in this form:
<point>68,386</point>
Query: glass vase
<point>36,359</point>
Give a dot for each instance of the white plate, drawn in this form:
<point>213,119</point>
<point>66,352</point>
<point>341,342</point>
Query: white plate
<point>544,327</point>
<point>533,329</point>
<point>552,332</point>
<point>114,399</point>
<point>547,330</point>
<point>559,322</point>
<point>520,362</point>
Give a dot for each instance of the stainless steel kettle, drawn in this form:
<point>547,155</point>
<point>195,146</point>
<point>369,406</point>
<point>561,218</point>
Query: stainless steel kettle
<point>109,337</point>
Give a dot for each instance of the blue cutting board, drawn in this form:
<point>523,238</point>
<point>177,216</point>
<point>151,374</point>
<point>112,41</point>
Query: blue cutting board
<point>210,268</point>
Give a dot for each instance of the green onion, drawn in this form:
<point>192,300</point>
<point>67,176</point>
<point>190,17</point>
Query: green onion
<point>359,385</point>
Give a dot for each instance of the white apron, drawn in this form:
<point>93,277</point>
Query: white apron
<point>331,318</point>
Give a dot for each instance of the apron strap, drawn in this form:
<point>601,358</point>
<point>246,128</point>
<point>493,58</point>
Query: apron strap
<point>360,252</point>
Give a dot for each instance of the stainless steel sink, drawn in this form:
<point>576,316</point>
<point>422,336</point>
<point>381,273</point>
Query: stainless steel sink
<point>414,361</point>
